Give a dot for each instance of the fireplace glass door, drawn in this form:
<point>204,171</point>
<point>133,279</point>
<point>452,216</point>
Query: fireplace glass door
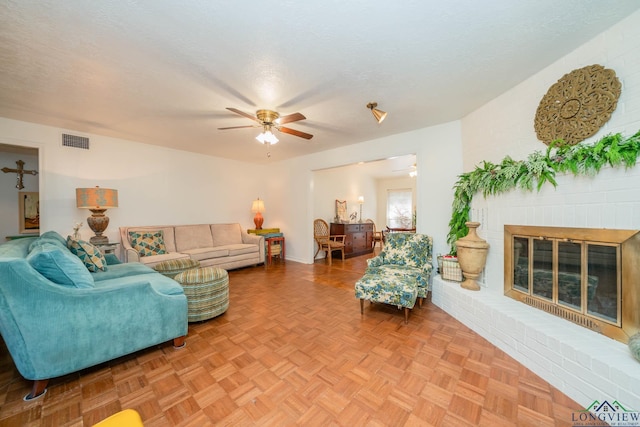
<point>603,272</point>
<point>570,275</point>
<point>587,276</point>
<point>543,269</point>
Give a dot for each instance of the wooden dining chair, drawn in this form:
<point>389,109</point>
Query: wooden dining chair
<point>377,235</point>
<point>325,241</point>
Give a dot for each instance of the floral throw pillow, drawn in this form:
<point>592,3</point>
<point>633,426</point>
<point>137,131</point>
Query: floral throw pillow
<point>91,256</point>
<point>148,243</point>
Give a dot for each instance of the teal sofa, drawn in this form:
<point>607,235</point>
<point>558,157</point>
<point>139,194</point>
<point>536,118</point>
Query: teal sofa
<point>56,317</point>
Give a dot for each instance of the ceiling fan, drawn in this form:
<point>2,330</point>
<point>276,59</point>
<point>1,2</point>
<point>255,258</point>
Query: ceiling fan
<point>412,170</point>
<point>271,119</point>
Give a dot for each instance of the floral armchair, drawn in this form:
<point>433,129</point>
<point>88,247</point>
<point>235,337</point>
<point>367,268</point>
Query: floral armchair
<point>400,274</point>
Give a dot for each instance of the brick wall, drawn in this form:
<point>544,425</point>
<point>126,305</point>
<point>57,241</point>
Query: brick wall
<point>583,364</point>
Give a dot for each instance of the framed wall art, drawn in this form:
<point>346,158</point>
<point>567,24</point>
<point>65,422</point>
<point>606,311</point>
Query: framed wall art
<point>341,211</point>
<point>29,212</point>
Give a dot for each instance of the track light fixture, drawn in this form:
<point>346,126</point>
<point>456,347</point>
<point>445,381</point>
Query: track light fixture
<point>378,114</point>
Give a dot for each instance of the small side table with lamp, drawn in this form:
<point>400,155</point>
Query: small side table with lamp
<point>274,243</point>
<point>273,238</point>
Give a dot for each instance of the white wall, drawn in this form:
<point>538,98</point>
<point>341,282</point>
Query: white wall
<point>439,159</point>
<point>344,183</point>
<point>163,186</point>
<point>9,223</point>
<point>581,363</point>
<point>155,185</point>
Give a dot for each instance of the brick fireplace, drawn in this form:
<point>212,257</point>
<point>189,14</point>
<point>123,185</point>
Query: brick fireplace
<point>582,363</point>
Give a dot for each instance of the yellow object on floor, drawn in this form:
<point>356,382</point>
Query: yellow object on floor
<point>125,418</point>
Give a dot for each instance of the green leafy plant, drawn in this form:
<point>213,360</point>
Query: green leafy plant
<point>536,170</point>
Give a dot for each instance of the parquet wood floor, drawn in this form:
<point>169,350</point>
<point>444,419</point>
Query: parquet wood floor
<point>293,349</point>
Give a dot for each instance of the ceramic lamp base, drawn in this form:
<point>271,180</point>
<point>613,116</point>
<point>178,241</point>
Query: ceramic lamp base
<point>98,222</point>
<point>258,220</point>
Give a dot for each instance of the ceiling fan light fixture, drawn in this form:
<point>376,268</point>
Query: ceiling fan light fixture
<point>271,119</point>
<point>267,137</point>
<point>378,114</point>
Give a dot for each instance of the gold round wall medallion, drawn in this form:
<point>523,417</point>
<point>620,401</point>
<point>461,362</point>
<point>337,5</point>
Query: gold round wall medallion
<point>577,105</point>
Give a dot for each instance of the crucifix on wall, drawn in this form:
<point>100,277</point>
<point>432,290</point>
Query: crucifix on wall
<point>19,171</point>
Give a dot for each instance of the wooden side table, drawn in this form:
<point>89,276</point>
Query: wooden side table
<point>272,251</point>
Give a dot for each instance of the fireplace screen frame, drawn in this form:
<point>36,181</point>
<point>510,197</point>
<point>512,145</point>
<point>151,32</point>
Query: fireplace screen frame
<point>627,244</point>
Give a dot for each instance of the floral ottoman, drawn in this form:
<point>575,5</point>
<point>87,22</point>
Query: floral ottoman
<point>394,286</point>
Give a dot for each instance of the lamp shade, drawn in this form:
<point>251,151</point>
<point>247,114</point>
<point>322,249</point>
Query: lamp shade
<point>257,206</point>
<point>96,198</point>
<point>379,115</point>
<point>361,199</point>
<point>267,137</point>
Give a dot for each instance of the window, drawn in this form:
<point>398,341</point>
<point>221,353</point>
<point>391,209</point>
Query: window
<point>400,208</point>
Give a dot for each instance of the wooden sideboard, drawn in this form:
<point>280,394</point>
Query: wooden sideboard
<point>358,240</point>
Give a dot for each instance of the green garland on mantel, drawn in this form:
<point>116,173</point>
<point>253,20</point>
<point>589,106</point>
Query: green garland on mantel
<point>538,168</point>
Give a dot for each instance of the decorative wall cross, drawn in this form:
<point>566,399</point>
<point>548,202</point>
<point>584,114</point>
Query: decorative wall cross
<point>20,171</point>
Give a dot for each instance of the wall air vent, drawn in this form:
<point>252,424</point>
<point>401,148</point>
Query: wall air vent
<point>75,141</point>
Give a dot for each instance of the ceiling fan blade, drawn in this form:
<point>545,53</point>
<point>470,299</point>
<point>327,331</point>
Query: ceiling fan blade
<point>290,118</point>
<point>242,113</point>
<point>294,132</point>
<point>237,127</point>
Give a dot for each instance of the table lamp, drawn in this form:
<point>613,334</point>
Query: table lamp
<point>258,208</point>
<point>97,200</point>
<point>361,202</point>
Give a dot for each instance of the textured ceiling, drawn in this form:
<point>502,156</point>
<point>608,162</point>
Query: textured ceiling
<point>162,72</point>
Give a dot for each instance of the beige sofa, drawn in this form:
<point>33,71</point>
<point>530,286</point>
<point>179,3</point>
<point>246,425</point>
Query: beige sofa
<point>225,246</point>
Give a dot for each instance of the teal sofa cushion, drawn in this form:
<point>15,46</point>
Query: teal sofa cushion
<point>60,266</point>
<point>49,237</point>
<point>112,259</point>
<point>91,256</point>
<point>17,248</point>
<point>126,269</point>
<point>159,285</point>
<point>54,236</point>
